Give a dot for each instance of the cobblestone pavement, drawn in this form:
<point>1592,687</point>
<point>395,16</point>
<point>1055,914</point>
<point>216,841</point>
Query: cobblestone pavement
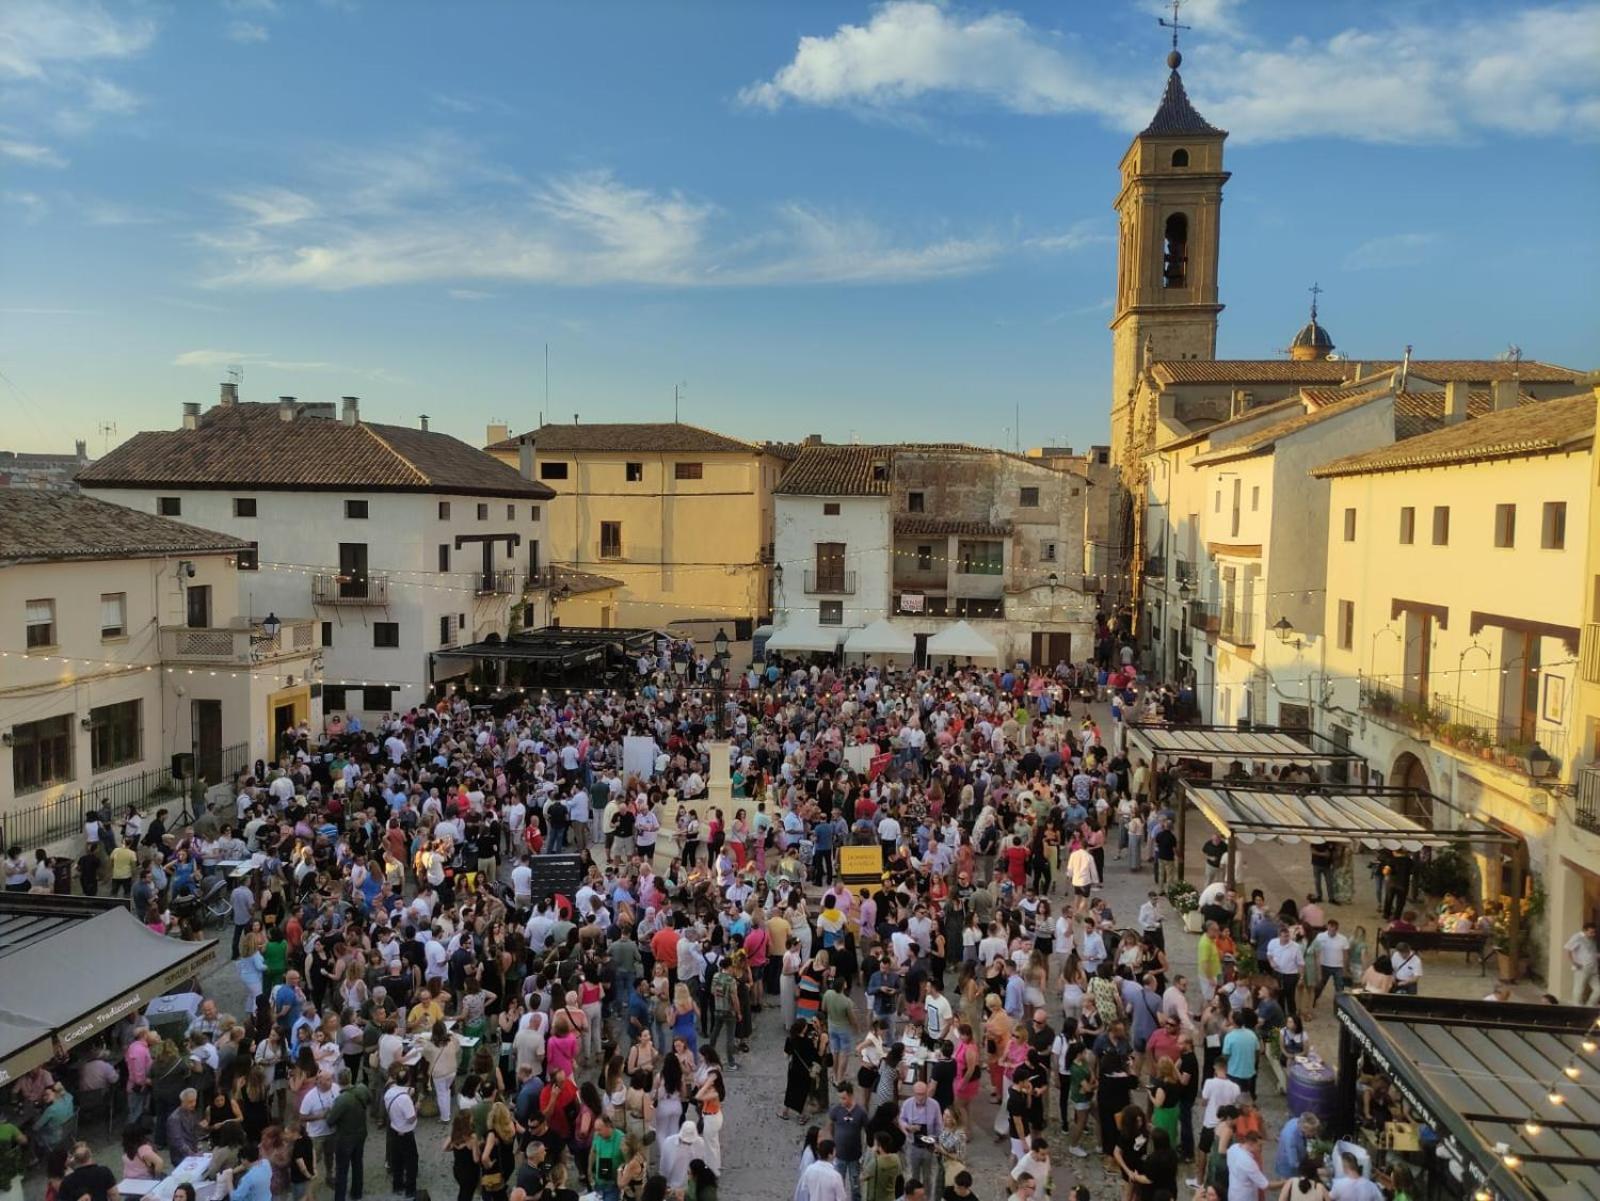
<point>762,1152</point>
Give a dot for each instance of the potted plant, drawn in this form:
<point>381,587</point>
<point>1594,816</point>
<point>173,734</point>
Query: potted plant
<point>1184,897</point>
<point>1532,910</point>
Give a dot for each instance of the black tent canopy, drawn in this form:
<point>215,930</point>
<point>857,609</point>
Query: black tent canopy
<point>1483,1074</point>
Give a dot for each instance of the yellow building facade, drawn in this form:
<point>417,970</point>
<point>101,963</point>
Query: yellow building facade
<point>680,517</point>
<point>1450,654</point>
<point>1575,885</point>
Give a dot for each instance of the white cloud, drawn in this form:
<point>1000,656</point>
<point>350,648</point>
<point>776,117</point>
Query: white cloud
<point>1397,80</point>
<point>49,50</point>
<point>1391,250</point>
<point>913,48</point>
<point>30,153</point>
<point>469,294</point>
<point>247,32</point>
<point>219,359</point>
<point>1086,232</point>
<point>273,206</point>
<point>33,206</point>
<point>435,212</point>
<point>38,36</point>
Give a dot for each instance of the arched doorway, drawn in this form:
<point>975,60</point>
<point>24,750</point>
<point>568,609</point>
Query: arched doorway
<point>1409,772</point>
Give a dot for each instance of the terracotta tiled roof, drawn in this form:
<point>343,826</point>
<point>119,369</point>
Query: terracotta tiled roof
<point>828,470</point>
<point>1545,428</point>
<point>250,446</point>
<point>578,582</point>
<point>39,526</point>
<point>1287,405</point>
<point>1338,371</point>
<point>643,436</point>
<point>915,525</point>
<point>1417,413</point>
<point>1268,435</point>
<point>1176,116</point>
<point>787,451</point>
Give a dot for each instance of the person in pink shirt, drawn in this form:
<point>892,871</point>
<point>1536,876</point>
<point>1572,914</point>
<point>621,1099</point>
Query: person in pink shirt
<point>138,1059</point>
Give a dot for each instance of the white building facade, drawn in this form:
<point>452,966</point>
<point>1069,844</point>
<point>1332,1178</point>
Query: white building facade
<point>129,643</point>
<point>400,542</point>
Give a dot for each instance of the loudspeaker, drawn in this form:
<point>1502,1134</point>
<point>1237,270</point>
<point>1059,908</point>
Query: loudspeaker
<point>183,765</point>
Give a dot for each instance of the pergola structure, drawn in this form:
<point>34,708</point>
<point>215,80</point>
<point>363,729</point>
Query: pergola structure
<point>1249,811</point>
<point>1512,1091</point>
<point>1228,745</point>
<point>549,654</point>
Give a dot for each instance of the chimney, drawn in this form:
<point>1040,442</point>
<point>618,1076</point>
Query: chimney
<point>813,439</point>
<point>229,393</point>
<point>574,419</point>
<point>1361,372</point>
<point>1455,402</point>
<point>81,449</point>
<point>422,422</point>
<point>352,410</point>
<point>191,414</point>
<point>496,433</point>
<point>285,408</point>
<point>1504,392</point>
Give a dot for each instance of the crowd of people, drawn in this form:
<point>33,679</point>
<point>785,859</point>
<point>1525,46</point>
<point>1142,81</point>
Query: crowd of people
<point>406,977</point>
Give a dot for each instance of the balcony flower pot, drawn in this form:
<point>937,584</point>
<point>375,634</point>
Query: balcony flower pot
<point>1487,753</point>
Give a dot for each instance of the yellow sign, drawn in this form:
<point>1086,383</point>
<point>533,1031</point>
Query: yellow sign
<point>860,865</point>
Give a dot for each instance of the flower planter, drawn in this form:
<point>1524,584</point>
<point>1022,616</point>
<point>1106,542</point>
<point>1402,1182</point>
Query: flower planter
<point>1193,922</point>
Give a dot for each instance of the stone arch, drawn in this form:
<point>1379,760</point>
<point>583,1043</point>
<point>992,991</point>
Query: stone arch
<point>1409,771</point>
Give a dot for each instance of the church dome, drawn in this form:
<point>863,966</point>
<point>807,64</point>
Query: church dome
<point>1312,337</point>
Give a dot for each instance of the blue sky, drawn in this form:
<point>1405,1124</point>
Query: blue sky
<point>886,221</point>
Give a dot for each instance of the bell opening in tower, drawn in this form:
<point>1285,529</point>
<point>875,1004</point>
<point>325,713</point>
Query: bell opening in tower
<point>1175,257</point>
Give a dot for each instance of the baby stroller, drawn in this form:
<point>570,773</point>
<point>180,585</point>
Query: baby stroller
<point>214,902</point>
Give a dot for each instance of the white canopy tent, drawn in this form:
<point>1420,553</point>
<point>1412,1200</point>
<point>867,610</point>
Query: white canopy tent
<point>805,638</point>
<point>880,638</point>
<point>961,641</point>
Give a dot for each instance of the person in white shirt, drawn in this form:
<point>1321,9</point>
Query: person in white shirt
<point>1407,966</point>
<point>400,1116</point>
<point>1330,950</point>
<point>821,1181</point>
<point>1246,1180</point>
<point>315,1108</point>
<point>1288,961</point>
<point>1092,951</point>
<point>1352,1184</point>
<point>1584,956</point>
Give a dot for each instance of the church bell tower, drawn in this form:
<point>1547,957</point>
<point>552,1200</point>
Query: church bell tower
<point>1168,218</point>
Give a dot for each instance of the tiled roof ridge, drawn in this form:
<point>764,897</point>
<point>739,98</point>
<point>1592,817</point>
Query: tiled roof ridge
<point>372,432</point>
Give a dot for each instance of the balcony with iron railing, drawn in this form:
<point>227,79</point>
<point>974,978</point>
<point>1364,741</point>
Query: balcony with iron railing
<point>1237,626</point>
<point>236,645</point>
<point>1589,652</point>
<point>1205,616</point>
<point>369,589</point>
<point>495,583</point>
<point>1155,567</point>
<point>1586,803</point>
<point>1504,739</point>
<point>830,582</point>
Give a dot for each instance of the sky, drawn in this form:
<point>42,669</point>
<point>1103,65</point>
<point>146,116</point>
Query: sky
<point>874,221</point>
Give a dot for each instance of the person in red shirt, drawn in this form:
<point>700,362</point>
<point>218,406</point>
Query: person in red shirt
<point>558,1103</point>
<point>664,949</point>
<point>1016,860</point>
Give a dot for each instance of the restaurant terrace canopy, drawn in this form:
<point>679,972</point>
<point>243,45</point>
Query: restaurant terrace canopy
<point>71,966</point>
<point>1365,817</point>
<point>1483,1075</point>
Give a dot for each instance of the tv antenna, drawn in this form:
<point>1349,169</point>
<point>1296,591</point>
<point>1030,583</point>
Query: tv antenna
<point>236,374</point>
<point>106,430</point>
<point>677,395</point>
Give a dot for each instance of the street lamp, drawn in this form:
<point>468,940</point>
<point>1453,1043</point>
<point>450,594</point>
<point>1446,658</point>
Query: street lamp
<point>270,628</point>
<point>1285,628</point>
<point>719,644</point>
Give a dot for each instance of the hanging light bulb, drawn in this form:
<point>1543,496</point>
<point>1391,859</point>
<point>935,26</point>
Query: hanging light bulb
<point>1572,1070</point>
<point>1511,1161</point>
<point>1590,1046</point>
<point>1556,1098</point>
<point>1532,1128</point>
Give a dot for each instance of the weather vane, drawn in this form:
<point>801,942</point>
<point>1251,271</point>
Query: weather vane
<point>1173,25</point>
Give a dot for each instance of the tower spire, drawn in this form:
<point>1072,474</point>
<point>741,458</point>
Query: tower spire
<point>1174,59</point>
<point>1316,290</point>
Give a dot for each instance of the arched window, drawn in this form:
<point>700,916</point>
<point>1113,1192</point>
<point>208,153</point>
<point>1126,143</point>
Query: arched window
<point>1180,157</point>
<point>1175,257</point>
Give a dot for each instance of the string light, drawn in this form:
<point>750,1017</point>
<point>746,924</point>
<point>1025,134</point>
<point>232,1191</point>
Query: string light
<point>1572,1070</point>
<point>1532,1128</point>
<point>1556,1098</point>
